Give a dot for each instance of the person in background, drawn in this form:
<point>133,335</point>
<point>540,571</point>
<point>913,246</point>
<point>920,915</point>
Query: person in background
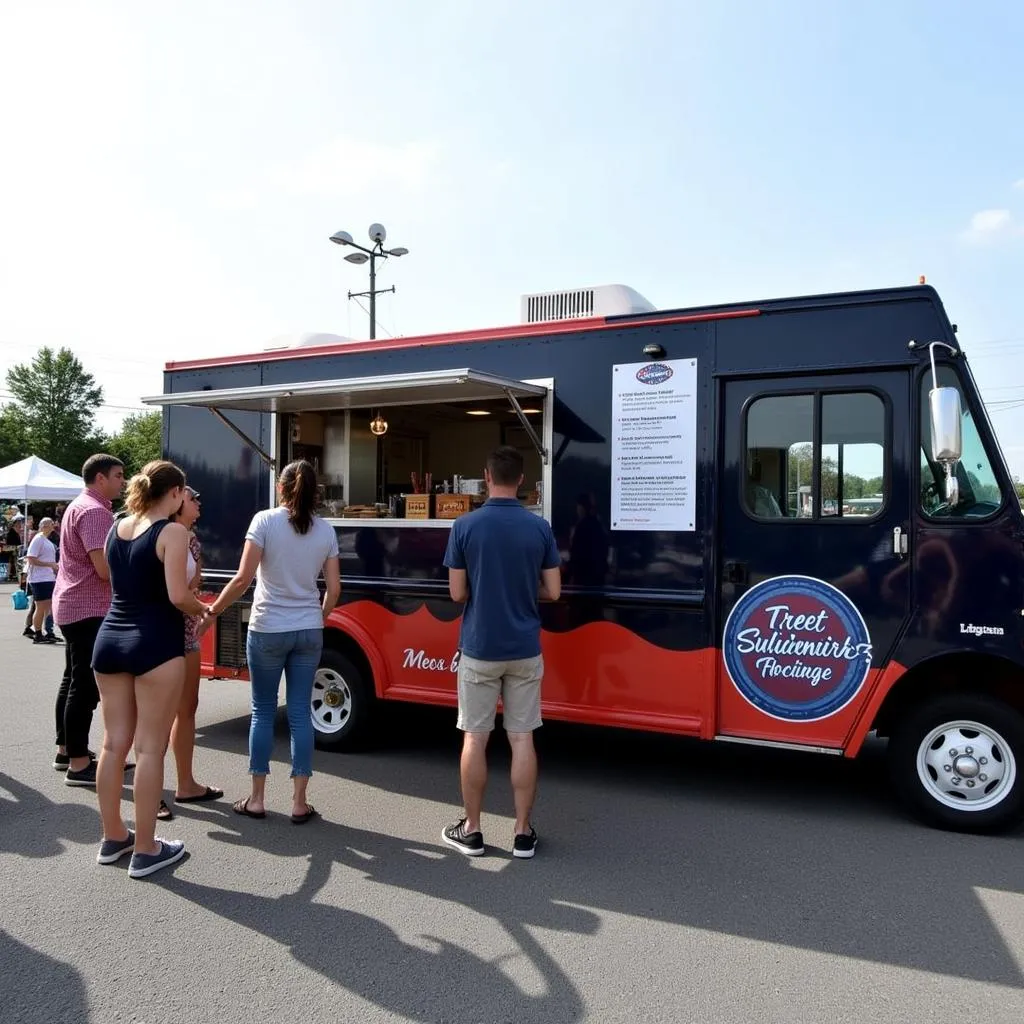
<point>501,560</point>
<point>286,549</point>
<point>42,573</point>
<point>139,660</point>
<point>183,732</point>
<point>81,597</point>
<point>15,530</point>
<point>32,629</point>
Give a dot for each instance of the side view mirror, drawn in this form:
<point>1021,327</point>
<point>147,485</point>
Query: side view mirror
<point>947,438</point>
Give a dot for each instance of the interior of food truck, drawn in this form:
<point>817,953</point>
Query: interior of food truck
<point>405,449</point>
<point>370,460</point>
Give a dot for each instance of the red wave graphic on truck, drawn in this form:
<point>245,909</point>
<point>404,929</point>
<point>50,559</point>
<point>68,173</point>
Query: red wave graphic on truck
<point>598,672</point>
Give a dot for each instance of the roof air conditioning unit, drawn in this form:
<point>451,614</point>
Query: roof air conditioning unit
<point>580,303</point>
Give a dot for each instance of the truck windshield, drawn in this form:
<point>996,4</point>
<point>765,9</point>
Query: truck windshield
<point>980,495</point>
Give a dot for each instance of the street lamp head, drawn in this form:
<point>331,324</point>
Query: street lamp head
<point>341,238</point>
<point>400,251</point>
<point>357,257</point>
<point>377,233</point>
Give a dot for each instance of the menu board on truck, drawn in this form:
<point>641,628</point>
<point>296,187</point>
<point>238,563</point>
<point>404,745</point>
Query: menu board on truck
<point>654,445</point>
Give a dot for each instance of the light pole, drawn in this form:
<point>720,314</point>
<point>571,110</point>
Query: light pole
<point>371,255</point>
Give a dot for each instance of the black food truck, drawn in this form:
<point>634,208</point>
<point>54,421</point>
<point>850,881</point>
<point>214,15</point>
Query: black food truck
<point>784,523</point>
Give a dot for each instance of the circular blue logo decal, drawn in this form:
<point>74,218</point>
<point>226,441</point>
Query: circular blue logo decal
<point>654,373</point>
<point>796,648</point>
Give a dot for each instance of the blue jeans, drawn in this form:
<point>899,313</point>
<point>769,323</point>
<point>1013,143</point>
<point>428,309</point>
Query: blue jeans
<point>297,654</point>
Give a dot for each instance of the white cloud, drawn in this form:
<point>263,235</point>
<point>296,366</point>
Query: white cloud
<point>988,226</point>
<point>1019,183</point>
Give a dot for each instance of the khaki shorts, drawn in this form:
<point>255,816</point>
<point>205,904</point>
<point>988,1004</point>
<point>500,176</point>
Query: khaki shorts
<point>481,683</point>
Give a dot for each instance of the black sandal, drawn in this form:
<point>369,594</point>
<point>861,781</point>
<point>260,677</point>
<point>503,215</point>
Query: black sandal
<point>164,813</point>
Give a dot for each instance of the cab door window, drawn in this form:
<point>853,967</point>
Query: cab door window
<point>815,456</point>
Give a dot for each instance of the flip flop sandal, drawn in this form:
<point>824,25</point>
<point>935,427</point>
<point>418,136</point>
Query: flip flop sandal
<point>301,819</point>
<point>164,813</point>
<point>242,807</point>
<point>210,794</point>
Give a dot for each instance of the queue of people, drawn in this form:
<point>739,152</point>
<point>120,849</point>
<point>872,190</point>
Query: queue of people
<point>126,599</point>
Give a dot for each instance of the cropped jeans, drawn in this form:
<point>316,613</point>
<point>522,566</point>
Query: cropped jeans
<point>296,654</point>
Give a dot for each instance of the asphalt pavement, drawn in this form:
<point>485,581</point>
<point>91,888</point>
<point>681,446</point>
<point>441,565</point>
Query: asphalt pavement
<point>674,881</point>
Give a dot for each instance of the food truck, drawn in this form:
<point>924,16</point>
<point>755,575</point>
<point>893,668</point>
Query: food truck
<point>785,523</point>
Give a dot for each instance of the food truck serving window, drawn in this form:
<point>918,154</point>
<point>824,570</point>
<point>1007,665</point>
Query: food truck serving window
<point>406,448</point>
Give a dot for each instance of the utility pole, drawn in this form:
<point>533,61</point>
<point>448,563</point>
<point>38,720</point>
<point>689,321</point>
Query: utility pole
<point>369,255</point>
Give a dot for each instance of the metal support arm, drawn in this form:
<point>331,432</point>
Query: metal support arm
<point>268,459</point>
<point>527,426</point>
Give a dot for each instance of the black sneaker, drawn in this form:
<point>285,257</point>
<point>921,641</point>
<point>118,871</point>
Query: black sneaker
<point>469,843</point>
<point>61,761</point>
<point>525,844</point>
<point>143,864</point>
<point>29,632</point>
<point>85,777</point>
<point>52,638</point>
<point>44,638</point>
<point>112,850</point>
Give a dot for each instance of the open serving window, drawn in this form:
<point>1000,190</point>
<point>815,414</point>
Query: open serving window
<point>403,449</point>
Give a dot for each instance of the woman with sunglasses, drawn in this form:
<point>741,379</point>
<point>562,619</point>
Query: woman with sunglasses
<point>183,733</point>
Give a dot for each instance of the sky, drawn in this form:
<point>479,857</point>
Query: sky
<point>172,173</point>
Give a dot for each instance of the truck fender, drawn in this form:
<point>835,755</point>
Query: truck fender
<point>895,672</point>
<point>358,634</point>
<point>885,680</point>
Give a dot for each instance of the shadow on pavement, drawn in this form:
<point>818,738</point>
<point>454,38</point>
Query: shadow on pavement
<point>444,981</point>
<point>38,988</point>
<point>32,825</point>
<point>782,847</point>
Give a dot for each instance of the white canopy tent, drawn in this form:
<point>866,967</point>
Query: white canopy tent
<point>33,479</point>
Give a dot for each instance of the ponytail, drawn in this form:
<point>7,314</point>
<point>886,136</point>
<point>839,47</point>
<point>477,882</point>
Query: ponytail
<point>150,484</point>
<point>298,494</point>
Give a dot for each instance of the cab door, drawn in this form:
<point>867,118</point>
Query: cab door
<point>813,550</point>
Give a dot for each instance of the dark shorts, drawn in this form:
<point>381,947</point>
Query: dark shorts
<point>137,647</point>
<point>41,591</point>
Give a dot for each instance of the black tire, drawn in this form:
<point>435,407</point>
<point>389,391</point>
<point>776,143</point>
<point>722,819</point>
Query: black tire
<point>345,726</point>
<point>925,801</point>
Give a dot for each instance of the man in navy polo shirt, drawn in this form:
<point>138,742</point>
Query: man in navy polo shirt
<point>502,560</point>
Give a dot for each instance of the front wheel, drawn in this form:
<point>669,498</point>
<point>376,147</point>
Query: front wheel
<point>958,763</point>
<point>341,703</point>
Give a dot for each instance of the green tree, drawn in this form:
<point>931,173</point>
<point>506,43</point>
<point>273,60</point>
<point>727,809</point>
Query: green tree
<point>57,400</point>
<point>139,440</point>
<point>14,444</point>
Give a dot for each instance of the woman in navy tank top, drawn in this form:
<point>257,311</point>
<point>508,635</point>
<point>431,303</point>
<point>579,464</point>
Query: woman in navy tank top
<point>139,662</point>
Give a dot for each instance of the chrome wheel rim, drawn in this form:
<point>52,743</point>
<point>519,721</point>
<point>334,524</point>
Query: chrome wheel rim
<point>331,702</point>
<point>966,766</point>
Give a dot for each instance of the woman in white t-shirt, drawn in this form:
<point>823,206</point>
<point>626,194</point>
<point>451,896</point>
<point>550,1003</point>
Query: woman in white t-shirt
<point>286,549</point>
<point>42,574</point>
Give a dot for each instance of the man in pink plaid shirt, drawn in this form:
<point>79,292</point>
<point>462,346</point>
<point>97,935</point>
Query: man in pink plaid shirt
<point>81,598</point>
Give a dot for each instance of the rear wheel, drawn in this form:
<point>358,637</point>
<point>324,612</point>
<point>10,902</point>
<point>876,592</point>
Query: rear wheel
<point>958,763</point>
<point>341,703</point>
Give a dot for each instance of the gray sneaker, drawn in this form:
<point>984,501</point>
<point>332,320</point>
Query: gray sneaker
<point>143,864</point>
<point>112,850</point>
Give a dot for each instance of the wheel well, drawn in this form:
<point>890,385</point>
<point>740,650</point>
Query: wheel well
<point>341,642</point>
<point>962,672</point>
